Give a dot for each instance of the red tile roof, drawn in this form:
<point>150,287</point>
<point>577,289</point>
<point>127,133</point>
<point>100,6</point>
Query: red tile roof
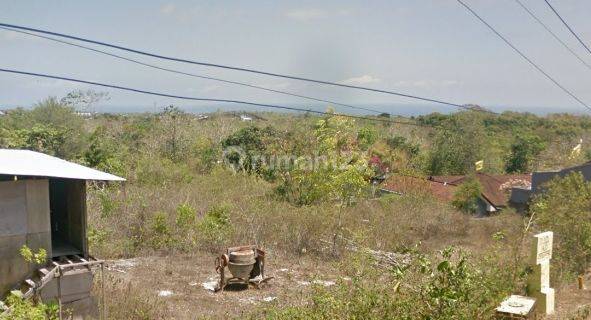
<point>405,184</point>
<point>495,188</point>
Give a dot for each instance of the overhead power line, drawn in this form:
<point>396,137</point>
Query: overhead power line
<point>556,37</point>
<point>190,74</point>
<point>572,95</point>
<point>207,64</point>
<point>568,27</point>
<point>160,94</point>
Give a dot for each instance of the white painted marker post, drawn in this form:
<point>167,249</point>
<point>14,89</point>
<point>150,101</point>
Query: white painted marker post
<point>538,282</point>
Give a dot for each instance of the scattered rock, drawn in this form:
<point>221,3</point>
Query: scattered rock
<point>165,293</point>
<point>269,299</point>
<point>325,283</point>
<point>210,285</point>
<point>121,265</point>
<point>247,300</point>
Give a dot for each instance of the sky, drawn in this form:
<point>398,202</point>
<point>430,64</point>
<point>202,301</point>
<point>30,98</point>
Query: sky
<point>429,48</point>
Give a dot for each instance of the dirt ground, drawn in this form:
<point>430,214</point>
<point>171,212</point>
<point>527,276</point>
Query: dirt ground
<point>570,301</point>
<point>183,285</point>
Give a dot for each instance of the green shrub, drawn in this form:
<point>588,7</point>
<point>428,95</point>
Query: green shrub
<point>22,309</point>
<point>564,208</point>
<point>29,256</point>
<point>215,226</point>
<point>102,153</point>
<point>206,154</point>
<point>467,195</point>
<point>446,286</point>
<point>161,236</point>
<point>524,150</point>
<point>366,137</point>
<point>108,204</point>
<point>185,216</point>
<point>97,237</point>
<point>162,173</point>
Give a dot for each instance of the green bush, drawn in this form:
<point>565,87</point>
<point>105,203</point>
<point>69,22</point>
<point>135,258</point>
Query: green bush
<point>447,286</point>
<point>185,216</point>
<point>215,226</point>
<point>467,195</point>
<point>102,153</point>
<point>565,208</point>
<point>366,137</point>
<point>161,233</point>
<point>524,150</point>
<point>108,204</point>
<point>161,172</point>
<point>22,309</point>
<point>29,256</point>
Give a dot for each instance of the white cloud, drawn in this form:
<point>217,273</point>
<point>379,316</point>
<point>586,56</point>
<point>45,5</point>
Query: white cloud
<point>306,14</point>
<point>364,79</point>
<point>168,9</point>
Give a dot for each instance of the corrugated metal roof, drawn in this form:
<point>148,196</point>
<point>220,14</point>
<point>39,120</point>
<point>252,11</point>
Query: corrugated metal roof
<point>31,163</point>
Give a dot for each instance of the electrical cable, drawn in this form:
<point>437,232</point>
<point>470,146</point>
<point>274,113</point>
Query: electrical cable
<point>524,56</point>
<point>568,27</point>
<point>554,35</point>
<point>200,99</point>
<point>187,73</point>
<point>207,64</point>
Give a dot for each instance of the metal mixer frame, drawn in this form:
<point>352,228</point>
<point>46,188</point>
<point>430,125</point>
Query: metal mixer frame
<point>221,263</point>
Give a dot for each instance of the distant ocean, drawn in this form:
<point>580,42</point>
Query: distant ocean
<point>406,110</point>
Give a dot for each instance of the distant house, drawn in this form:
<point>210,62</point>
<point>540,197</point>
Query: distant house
<point>405,184</point>
<point>495,188</point>
<point>244,117</point>
<point>521,195</point>
<point>43,206</point>
<point>85,114</point>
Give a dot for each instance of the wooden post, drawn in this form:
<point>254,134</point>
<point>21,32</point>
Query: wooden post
<point>581,281</point>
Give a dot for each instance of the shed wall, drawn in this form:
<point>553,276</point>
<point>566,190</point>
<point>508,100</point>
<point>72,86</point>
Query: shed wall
<point>24,220</point>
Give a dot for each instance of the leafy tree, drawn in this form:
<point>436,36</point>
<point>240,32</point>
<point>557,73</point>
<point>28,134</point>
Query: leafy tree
<point>43,138</point>
<point>339,172</point>
<point>458,144</point>
<point>466,196</point>
<point>246,149</point>
<point>523,151</point>
<point>83,100</point>
<point>49,127</point>
<point>565,209</point>
<point>102,153</point>
<point>366,137</point>
<point>173,144</point>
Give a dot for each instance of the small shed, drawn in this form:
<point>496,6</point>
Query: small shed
<point>42,205</point>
